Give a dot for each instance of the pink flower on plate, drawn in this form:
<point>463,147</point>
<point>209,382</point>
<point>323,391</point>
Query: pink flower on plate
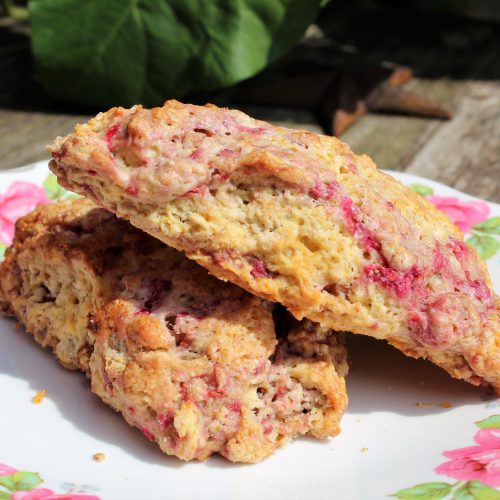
<point>6,470</point>
<point>46,494</point>
<point>463,213</point>
<point>481,462</point>
<point>36,494</point>
<point>19,199</point>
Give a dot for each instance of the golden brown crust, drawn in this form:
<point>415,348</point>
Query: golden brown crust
<point>297,218</point>
<point>199,366</point>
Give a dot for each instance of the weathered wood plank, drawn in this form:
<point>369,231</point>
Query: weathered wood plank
<point>24,135</point>
<point>393,140</point>
<point>465,152</point>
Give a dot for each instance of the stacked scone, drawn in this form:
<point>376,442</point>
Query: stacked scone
<point>198,365</point>
<point>294,218</point>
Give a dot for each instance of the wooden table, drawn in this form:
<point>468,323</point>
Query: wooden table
<point>463,153</point>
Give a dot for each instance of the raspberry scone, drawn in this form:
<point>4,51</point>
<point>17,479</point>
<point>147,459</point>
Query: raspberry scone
<point>296,218</point>
<point>199,366</point>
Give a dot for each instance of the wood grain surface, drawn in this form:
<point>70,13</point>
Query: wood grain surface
<point>463,153</point>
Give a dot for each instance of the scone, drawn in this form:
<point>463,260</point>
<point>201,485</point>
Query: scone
<point>199,366</point>
<point>297,218</point>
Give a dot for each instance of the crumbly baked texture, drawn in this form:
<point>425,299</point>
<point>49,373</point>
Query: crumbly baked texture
<point>199,366</point>
<point>297,218</point>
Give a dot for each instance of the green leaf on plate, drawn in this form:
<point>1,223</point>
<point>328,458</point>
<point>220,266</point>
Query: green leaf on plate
<point>490,226</point>
<point>8,482</point>
<point>421,189</point>
<point>21,480</point>
<point>425,491</point>
<point>2,250</point>
<point>125,52</point>
<point>54,191</point>
<point>487,246</point>
<point>52,188</point>
<point>25,480</point>
<point>5,496</point>
<point>475,490</point>
<point>492,422</point>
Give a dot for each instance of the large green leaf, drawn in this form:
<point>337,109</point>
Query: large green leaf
<point>128,51</point>
<point>425,491</point>
<point>475,490</point>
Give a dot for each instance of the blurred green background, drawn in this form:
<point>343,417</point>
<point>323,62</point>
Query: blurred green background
<point>98,53</point>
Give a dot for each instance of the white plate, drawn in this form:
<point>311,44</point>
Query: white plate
<point>403,414</point>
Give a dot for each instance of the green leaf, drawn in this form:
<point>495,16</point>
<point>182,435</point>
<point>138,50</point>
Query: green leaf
<point>2,250</point>
<point>21,480</point>
<point>490,226</point>
<point>475,490</point>
<point>5,496</point>
<point>54,191</point>
<point>487,246</point>
<point>26,480</point>
<point>52,188</point>
<point>8,482</point>
<point>129,51</point>
<point>425,491</point>
<point>421,189</point>
<point>492,422</point>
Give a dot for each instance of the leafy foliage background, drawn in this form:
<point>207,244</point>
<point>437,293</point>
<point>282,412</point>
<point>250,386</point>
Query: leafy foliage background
<point>128,51</point>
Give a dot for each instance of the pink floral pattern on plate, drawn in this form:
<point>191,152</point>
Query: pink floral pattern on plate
<point>481,462</point>
<point>19,199</point>
<point>6,470</point>
<point>46,494</point>
<point>478,466</point>
<point>463,213</point>
<point>22,485</point>
<point>471,217</point>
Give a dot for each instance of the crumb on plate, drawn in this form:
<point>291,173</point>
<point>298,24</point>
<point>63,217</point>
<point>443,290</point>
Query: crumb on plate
<point>364,449</point>
<point>98,457</point>
<point>444,404</point>
<point>38,397</point>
